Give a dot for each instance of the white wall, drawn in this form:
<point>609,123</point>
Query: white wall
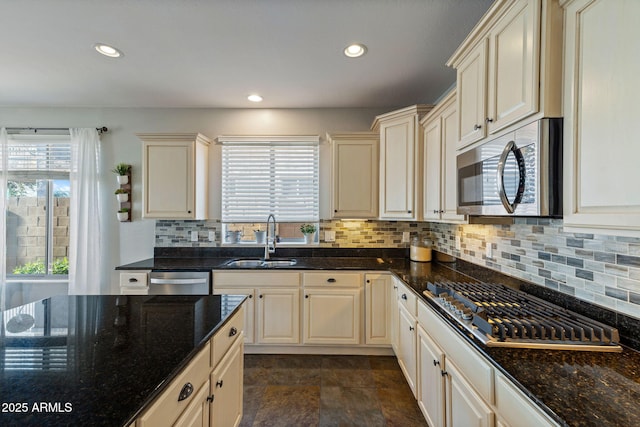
<point>129,242</point>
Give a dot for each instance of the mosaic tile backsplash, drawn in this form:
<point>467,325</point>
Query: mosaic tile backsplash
<point>601,269</point>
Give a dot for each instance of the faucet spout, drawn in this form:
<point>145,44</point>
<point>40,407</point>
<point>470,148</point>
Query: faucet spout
<point>270,244</point>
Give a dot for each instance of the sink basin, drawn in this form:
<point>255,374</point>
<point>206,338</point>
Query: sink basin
<point>260,263</point>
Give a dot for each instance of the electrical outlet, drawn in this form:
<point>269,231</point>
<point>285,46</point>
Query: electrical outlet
<point>405,237</point>
<point>194,236</point>
<point>489,251</point>
<point>212,236</point>
<point>458,243</point>
<point>330,236</point>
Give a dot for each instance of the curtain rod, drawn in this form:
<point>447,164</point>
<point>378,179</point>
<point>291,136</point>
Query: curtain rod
<point>100,130</point>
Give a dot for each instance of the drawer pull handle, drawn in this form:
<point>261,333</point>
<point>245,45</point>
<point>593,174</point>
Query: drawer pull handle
<point>436,362</point>
<point>186,391</point>
<point>444,373</point>
<point>404,296</point>
<point>233,331</point>
<point>219,383</point>
<point>411,328</point>
<point>132,280</point>
<point>331,280</point>
<point>210,398</point>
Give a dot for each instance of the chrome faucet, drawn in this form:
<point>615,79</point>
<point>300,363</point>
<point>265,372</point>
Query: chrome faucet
<point>270,248</point>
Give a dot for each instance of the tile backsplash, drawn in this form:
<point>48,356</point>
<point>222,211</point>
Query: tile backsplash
<point>601,269</point>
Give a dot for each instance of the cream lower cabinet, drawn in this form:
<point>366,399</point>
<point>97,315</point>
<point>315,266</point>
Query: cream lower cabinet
<point>407,334</point>
<point>377,308</point>
<point>249,309</point>
<point>215,379</point>
<point>601,111</point>
<point>464,407</point>
<point>431,389</point>
<point>332,308</point>
<point>440,169</point>
<point>275,316</point>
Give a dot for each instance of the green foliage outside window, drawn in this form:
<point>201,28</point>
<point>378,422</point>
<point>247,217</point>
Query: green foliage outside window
<point>60,266</point>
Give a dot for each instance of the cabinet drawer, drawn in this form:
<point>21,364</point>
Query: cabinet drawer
<point>332,279</point>
<point>226,336</point>
<point>133,280</point>
<point>407,299</point>
<point>475,368</point>
<point>515,408</point>
<point>255,279</point>
<point>167,408</point>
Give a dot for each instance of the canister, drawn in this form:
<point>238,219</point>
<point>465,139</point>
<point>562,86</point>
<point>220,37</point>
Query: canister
<point>420,249</point>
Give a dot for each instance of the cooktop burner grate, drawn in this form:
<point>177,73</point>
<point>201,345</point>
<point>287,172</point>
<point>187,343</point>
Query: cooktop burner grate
<point>502,316</point>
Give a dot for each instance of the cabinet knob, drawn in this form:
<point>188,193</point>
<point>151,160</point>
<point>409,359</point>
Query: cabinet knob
<point>219,383</point>
<point>186,391</point>
<point>306,296</point>
<point>488,120</point>
<point>411,328</point>
<point>233,331</point>
<point>436,362</point>
<point>331,280</point>
<point>250,296</point>
<point>476,127</point>
<point>368,281</point>
<point>404,296</point>
<point>408,211</point>
<point>444,373</point>
<point>260,296</point>
<point>335,210</point>
<point>189,212</point>
<point>133,280</point>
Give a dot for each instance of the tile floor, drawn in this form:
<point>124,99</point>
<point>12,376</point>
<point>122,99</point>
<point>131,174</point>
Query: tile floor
<point>311,390</point>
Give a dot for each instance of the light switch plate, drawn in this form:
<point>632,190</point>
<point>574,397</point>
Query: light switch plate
<point>329,236</point>
<point>489,251</point>
<point>458,243</point>
<point>405,237</point>
<point>194,236</point>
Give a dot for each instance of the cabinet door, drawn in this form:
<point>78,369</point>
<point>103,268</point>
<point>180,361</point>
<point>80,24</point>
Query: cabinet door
<point>168,179</point>
<point>464,407</point>
<point>432,168</point>
<point>430,380</point>
<point>515,409</point>
<point>355,178</point>
<point>197,413</point>
<point>513,65</point>
<point>407,347</point>
<point>226,388</point>
<point>472,95</point>
<point>449,172</point>
<point>278,314</point>
<point>601,110</point>
<point>249,309</point>
<point>331,316</point>
<point>397,171</point>
<point>394,317</point>
<point>377,309</point>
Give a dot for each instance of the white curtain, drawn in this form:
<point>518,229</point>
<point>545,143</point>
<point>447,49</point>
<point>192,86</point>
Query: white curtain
<point>3,218</point>
<point>84,228</point>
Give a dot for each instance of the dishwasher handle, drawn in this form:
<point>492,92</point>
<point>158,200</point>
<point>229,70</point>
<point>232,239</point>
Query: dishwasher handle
<point>158,281</point>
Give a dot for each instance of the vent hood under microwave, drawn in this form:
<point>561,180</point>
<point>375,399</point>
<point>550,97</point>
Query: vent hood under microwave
<point>517,174</point>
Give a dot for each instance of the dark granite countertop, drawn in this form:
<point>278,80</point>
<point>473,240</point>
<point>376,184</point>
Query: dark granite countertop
<point>99,360</point>
<point>576,388</point>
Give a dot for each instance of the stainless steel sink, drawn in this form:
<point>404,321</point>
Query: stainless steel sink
<point>261,263</point>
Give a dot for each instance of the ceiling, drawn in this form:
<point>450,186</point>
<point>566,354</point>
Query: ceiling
<point>213,53</point>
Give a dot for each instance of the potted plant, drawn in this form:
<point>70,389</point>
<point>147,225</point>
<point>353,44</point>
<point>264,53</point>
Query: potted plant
<point>308,230</point>
<point>122,195</point>
<point>122,170</point>
<point>123,214</point>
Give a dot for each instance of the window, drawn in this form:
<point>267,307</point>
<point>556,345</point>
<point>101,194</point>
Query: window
<point>271,175</point>
<point>37,206</point>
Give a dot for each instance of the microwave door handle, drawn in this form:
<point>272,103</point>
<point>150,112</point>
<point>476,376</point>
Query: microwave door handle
<point>511,148</point>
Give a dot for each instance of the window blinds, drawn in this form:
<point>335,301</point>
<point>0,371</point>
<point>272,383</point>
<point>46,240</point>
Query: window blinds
<point>45,158</point>
<point>279,178</point>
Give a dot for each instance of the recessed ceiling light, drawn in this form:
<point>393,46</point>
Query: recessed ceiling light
<point>254,98</point>
<point>355,50</point>
<point>107,50</point>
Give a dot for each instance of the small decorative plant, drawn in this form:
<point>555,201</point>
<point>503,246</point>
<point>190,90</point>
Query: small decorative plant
<point>122,195</point>
<point>123,210</point>
<point>121,191</point>
<point>121,169</point>
<point>308,228</point>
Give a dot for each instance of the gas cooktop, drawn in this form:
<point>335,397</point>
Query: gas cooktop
<point>500,316</point>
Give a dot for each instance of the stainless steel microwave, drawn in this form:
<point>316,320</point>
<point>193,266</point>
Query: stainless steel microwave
<point>517,174</point>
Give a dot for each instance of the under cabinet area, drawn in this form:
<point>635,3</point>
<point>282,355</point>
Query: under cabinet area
<point>509,68</point>
<point>354,174</point>
<point>178,191</point>
<point>400,157</point>
<point>208,391</point>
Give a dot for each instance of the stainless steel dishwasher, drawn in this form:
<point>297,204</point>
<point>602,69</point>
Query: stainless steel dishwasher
<point>179,283</point>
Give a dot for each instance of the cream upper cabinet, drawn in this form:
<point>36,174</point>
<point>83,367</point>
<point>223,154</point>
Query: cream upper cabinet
<point>601,111</point>
<point>175,169</point>
<point>400,163</point>
<point>439,170</point>
<point>509,68</point>
<point>355,175</point>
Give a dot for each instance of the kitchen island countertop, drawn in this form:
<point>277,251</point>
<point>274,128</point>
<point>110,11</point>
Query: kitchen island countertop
<point>100,360</point>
